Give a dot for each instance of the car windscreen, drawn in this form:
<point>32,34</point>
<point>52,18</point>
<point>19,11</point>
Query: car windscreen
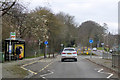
<point>69,50</point>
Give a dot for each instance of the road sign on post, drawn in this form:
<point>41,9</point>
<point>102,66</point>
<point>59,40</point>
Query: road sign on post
<point>91,41</point>
<point>46,42</point>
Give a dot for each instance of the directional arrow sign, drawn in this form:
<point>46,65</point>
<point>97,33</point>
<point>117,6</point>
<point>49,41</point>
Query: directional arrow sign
<point>90,41</point>
<point>46,42</point>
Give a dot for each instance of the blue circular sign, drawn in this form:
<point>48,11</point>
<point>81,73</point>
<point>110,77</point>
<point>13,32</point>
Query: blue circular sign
<point>90,41</point>
<point>46,42</point>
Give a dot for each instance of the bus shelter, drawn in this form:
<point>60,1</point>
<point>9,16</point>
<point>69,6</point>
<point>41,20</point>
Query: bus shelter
<point>14,49</point>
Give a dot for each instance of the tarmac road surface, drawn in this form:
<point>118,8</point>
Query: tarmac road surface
<point>54,68</point>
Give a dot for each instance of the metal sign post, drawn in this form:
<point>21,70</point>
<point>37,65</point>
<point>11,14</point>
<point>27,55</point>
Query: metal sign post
<point>91,50</point>
<point>10,50</point>
<point>91,41</point>
<point>46,51</point>
<point>46,42</point>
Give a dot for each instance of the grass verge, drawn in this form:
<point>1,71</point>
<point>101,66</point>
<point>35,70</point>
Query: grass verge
<point>100,48</point>
<point>38,55</point>
<point>20,72</point>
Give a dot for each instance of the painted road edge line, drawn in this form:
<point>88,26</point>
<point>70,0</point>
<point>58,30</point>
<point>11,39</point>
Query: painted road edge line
<point>28,70</point>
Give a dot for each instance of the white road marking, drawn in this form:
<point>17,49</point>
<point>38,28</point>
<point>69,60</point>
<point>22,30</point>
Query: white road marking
<point>110,74</point>
<point>43,77</point>
<point>100,70</point>
<point>47,74</point>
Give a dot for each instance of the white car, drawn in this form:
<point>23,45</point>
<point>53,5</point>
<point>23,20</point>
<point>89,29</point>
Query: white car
<point>111,50</point>
<point>69,53</point>
<point>94,49</point>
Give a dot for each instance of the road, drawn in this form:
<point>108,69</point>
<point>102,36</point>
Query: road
<point>54,68</point>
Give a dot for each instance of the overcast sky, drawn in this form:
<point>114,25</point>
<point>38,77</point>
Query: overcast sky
<point>100,11</point>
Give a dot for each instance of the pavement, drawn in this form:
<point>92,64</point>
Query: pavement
<point>13,69</point>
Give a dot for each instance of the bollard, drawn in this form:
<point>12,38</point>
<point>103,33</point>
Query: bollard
<point>49,55</point>
<point>53,55</point>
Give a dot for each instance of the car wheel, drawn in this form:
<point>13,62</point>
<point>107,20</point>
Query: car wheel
<point>75,60</point>
<point>62,60</point>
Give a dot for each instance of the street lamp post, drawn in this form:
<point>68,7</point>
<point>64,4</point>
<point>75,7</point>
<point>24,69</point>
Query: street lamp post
<point>102,49</point>
<point>61,46</point>
<point>46,40</point>
<point>107,44</point>
<point>39,44</point>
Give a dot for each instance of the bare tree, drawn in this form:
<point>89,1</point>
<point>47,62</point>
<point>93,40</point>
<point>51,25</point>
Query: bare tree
<point>6,5</point>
